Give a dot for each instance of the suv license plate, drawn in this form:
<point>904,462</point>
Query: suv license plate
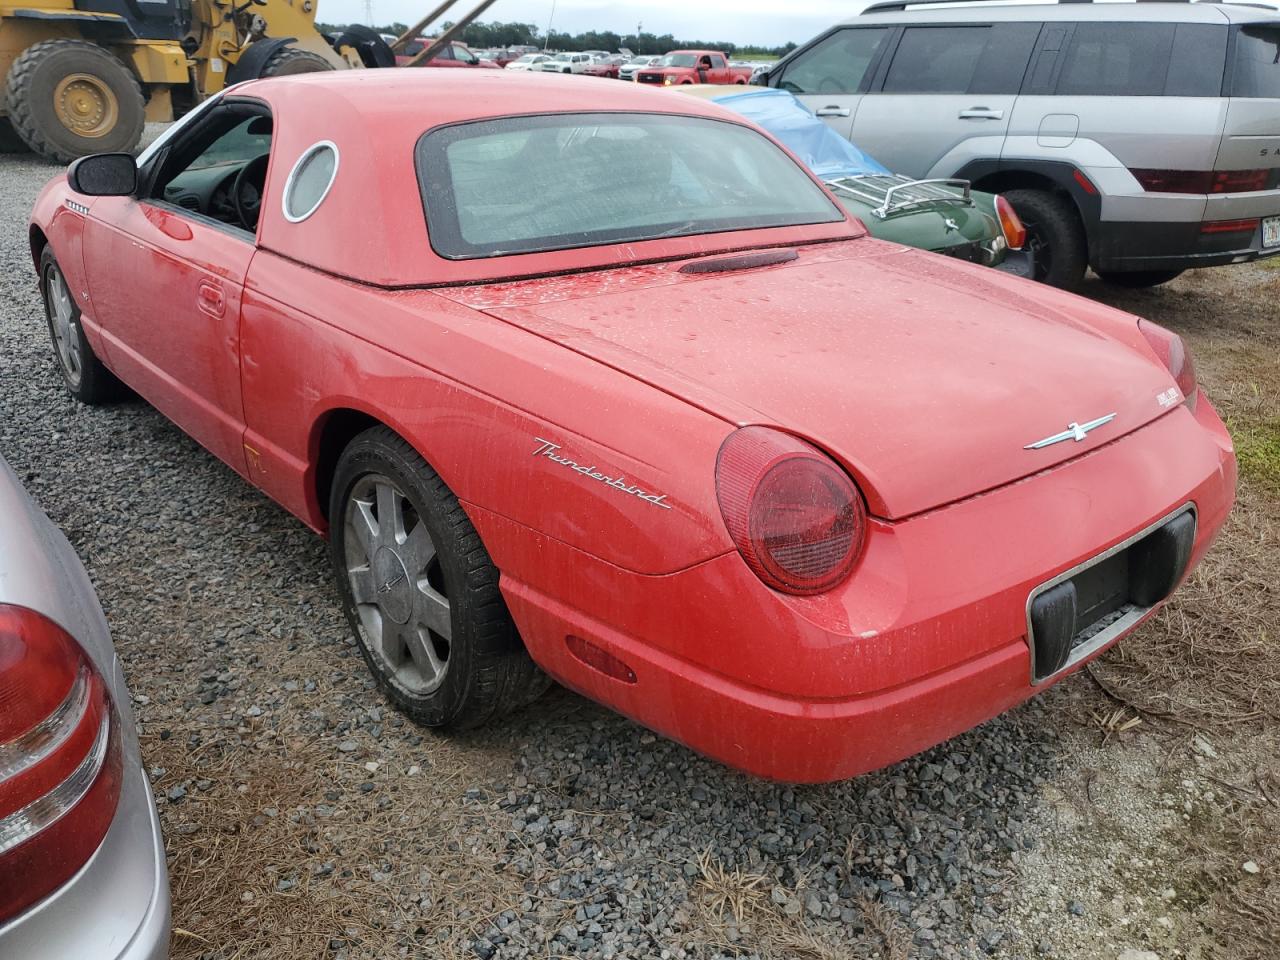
<point>1271,232</point>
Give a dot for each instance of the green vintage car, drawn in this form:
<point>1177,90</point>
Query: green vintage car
<point>944,216</point>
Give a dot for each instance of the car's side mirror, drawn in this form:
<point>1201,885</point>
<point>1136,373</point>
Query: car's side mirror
<point>104,175</point>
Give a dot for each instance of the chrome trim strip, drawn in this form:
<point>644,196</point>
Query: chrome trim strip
<point>50,733</point>
<point>43,812</point>
<point>1111,631</point>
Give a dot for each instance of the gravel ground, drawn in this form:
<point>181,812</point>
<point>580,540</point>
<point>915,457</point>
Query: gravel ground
<point>305,818</point>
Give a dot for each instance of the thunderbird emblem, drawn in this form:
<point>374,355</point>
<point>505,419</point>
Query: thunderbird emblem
<point>1074,431</point>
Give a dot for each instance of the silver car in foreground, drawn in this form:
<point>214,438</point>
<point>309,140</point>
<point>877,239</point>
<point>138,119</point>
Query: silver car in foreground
<point>1139,139</point>
<point>82,867</point>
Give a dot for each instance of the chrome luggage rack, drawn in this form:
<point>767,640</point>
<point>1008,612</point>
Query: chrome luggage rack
<point>917,193</point>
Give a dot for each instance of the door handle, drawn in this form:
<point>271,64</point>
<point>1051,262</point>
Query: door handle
<point>210,298</point>
<point>831,110</point>
<point>981,113</point>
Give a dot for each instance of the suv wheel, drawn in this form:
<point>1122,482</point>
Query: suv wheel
<point>1138,279</point>
<point>1055,236</point>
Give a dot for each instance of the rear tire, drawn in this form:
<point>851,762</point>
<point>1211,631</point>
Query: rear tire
<point>1138,279</point>
<point>1055,236</point>
<point>83,373</point>
<point>420,591</point>
<point>70,98</point>
<point>290,60</point>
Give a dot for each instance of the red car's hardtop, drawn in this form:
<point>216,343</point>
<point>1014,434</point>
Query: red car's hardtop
<point>371,226</point>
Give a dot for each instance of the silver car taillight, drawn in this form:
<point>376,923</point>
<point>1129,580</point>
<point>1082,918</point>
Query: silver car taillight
<point>60,762</point>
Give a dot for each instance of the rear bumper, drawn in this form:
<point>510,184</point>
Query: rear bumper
<point>1127,246</point>
<point>927,638</point>
<point>117,906</point>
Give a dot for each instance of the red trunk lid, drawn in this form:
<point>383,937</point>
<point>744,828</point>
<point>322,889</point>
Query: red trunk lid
<point>926,377</point>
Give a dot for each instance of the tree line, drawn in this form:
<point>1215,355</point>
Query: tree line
<point>500,35</point>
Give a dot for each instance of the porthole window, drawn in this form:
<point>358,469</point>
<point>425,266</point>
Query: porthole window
<point>310,180</point>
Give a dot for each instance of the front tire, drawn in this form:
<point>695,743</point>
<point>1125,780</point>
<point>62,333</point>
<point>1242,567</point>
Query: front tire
<point>1055,236</point>
<point>1138,279</point>
<point>70,98</point>
<point>420,591</point>
<point>84,374</point>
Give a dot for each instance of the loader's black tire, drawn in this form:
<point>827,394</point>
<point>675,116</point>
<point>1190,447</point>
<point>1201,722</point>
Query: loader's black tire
<point>70,98</point>
<point>10,142</point>
<point>288,61</point>
<point>368,45</point>
<point>1055,236</point>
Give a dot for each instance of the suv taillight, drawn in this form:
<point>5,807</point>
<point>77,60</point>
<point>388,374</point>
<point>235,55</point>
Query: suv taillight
<point>60,763</point>
<point>1203,181</point>
<point>794,515</point>
<point>1173,353</point>
<point>1015,234</point>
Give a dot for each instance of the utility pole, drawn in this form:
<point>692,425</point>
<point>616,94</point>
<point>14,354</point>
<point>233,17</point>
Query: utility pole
<point>368,13</point>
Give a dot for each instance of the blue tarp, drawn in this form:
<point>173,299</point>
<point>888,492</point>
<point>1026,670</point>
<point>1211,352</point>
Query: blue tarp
<point>823,151</point>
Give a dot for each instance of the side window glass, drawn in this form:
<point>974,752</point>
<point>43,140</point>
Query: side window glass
<point>717,61</point>
<point>220,170</point>
<point>1200,53</point>
<point>1116,60</point>
<point>836,64</point>
<point>936,60</point>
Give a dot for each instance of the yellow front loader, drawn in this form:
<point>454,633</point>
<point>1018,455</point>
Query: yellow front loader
<point>84,76</point>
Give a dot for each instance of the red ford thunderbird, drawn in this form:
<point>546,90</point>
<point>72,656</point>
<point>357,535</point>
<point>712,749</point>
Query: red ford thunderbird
<point>601,381</point>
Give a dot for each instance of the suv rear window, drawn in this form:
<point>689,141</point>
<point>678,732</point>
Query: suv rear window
<point>536,183</point>
<point>1117,60</point>
<point>1257,66</point>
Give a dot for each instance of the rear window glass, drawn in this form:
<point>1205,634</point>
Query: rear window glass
<point>530,184</point>
<point>936,60</point>
<point>1117,60</point>
<point>1257,62</point>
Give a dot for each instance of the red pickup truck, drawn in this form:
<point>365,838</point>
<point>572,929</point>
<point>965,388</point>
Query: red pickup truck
<point>694,66</point>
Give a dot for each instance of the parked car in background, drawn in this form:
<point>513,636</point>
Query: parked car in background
<point>566,63</point>
<point>603,67</point>
<point>945,217</point>
<point>1137,139</point>
<point>693,66</point>
<point>528,61</point>
<point>82,864</point>
<point>454,54</point>
<point>617,388</point>
<point>628,70</point>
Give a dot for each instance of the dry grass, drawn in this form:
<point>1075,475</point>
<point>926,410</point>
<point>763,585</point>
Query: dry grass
<point>261,859</point>
<point>739,917</point>
<point>1211,660</point>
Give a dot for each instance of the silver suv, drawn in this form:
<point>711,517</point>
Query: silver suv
<point>1137,139</point>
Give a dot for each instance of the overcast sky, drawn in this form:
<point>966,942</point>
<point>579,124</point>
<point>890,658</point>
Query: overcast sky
<point>763,22</point>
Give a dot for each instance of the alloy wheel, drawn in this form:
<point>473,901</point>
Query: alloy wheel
<point>397,584</point>
<point>62,320</point>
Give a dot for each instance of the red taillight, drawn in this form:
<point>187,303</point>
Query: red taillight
<point>794,515</point>
<point>60,764</point>
<point>1173,353</point>
<point>1246,225</point>
<point>1015,234</point>
<point>1202,181</point>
